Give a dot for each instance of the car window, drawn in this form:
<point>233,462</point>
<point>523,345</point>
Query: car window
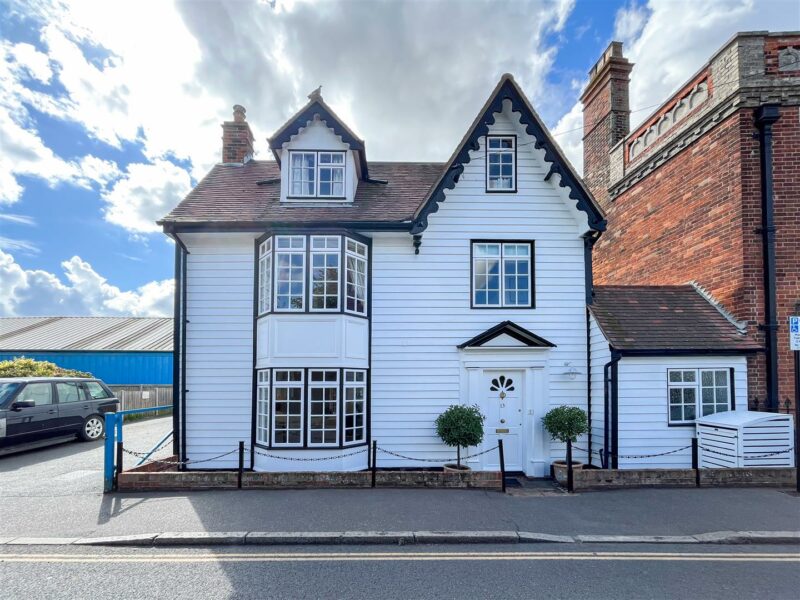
<point>7,390</point>
<point>40,393</point>
<point>68,392</point>
<point>96,391</point>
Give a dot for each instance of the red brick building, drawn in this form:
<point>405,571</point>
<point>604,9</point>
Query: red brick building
<point>707,190</point>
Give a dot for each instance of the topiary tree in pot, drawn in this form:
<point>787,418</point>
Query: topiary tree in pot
<point>565,423</point>
<point>460,426</point>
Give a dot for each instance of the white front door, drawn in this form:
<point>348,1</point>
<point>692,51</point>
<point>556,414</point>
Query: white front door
<point>503,405</point>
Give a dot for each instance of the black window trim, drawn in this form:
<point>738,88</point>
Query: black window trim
<point>515,188</point>
<point>308,234</point>
<point>532,274</point>
<point>340,409</point>
<point>316,198</point>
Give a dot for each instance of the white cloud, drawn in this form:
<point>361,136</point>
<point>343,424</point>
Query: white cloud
<point>146,193</point>
<point>38,292</point>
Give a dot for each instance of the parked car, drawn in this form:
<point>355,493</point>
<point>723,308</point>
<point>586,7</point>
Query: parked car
<point>34,410</point>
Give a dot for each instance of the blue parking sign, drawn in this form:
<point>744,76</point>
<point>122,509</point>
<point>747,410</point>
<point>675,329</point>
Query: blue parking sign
<point>794,333</point>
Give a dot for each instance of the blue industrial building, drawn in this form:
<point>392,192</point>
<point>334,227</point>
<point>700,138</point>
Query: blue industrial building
<point>122,351</point>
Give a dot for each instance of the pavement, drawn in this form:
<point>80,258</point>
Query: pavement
<point>441,572</point>
<point>56,492</point>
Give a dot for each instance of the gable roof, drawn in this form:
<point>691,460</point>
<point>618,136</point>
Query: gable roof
<point>668,319</point>
<point>507,89</point>
<point>512,330</point>
<point>143,334</point>
<point>316,106</point>
<point>249,195</point>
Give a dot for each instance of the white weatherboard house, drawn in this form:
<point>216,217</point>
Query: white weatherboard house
<point>325,301</point>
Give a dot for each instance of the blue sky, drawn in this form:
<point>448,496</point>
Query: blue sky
<point>109,112</point>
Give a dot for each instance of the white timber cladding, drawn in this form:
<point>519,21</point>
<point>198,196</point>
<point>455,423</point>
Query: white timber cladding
<point>421,304</point>
<point>601,355</point>
<point>317,137</point>
<point>219,345</point>
<point>644,406</point>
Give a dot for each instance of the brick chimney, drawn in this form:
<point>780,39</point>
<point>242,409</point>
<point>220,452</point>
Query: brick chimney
<point>606,117</point>
<point>237,139</point>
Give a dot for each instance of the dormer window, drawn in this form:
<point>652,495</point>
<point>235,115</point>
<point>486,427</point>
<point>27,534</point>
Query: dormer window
<point>501,163</point>
<point>316,174</point>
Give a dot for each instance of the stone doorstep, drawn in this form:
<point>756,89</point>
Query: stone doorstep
<point>275,538</point>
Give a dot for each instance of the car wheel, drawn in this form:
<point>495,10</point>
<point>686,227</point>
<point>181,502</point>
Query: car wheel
<point>93,428</point>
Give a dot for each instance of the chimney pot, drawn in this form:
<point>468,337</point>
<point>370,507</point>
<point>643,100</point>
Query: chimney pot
<point>239,113</point>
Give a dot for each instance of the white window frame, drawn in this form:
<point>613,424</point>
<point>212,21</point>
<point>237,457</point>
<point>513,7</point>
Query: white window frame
<point>500,152</point>
<point>698,388</point>
<point>360,256</point>
<point>314,170</point>
<point>322,385</point>
<point>263,405</point>
<point>292,250</point>
<point>325,251</point>
<point>265,276</point>
<point>276,385</point>
<point>354,379</point>
<point>333,166</point>
<point>317,171</point>
<point>503,260</point>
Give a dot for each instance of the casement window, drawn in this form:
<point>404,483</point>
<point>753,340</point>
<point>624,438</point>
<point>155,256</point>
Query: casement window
<point>316,174</point>
<point>262,406</point>
<point>697,392</point>
<point>325,254</point>
<point>502,274</point>
<point>303,174</point>
<point>264,276</point>
<point>311,408</point>
<point>323,408</point>
<point>290,258</point>
<point>287,407</point>
<point>356,277</point>
<point>501,163</point>
<point>355,399</point>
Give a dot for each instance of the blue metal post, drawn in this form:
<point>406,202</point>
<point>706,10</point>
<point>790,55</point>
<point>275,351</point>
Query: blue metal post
<point>108,464</point>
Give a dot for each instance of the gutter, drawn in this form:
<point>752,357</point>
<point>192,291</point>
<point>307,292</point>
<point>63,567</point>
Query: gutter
<point>178,350</point>
<point>765,117</point>
<point>611,399</point>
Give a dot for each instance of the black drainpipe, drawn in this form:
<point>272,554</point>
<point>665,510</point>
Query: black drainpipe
<point>610,427</point>
<point>766,116</point>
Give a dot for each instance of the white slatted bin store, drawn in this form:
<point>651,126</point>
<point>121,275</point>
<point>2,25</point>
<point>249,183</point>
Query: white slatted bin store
<point>744,438</point>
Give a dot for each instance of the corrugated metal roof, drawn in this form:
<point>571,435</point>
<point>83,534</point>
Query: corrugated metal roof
<point>152,334</point>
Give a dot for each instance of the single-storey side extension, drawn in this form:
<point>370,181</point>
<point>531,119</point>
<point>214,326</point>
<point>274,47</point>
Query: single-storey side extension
<point>661,357</point>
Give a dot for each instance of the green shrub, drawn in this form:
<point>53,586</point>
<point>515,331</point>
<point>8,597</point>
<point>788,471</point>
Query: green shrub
<point>27,367</point>
<point>460,426</point>
<point>566,423</point>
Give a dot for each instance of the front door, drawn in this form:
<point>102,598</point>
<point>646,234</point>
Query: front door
<point>503,406</point>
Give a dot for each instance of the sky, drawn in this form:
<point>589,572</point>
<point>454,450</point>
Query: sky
<point>110,111</point>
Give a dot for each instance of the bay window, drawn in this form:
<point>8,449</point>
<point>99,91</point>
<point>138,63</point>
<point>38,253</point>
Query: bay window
<point>311,408</point>
<point>502,274</point>
<point>312,273</point>
<point>698,392</point>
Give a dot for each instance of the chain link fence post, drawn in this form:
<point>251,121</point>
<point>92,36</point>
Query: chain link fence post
<point>570,483</point>
<point>695,463</point>
<point>241,465</point>
<point>502,465</point>
<point>374,465</point>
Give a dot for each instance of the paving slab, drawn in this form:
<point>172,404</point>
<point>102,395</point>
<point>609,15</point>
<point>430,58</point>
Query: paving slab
<point>171,538</point>
<point>466,537</point>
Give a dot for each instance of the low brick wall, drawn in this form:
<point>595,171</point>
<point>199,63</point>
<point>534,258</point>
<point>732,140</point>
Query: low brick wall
<point>600,479</point>
<point>141,480</point>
